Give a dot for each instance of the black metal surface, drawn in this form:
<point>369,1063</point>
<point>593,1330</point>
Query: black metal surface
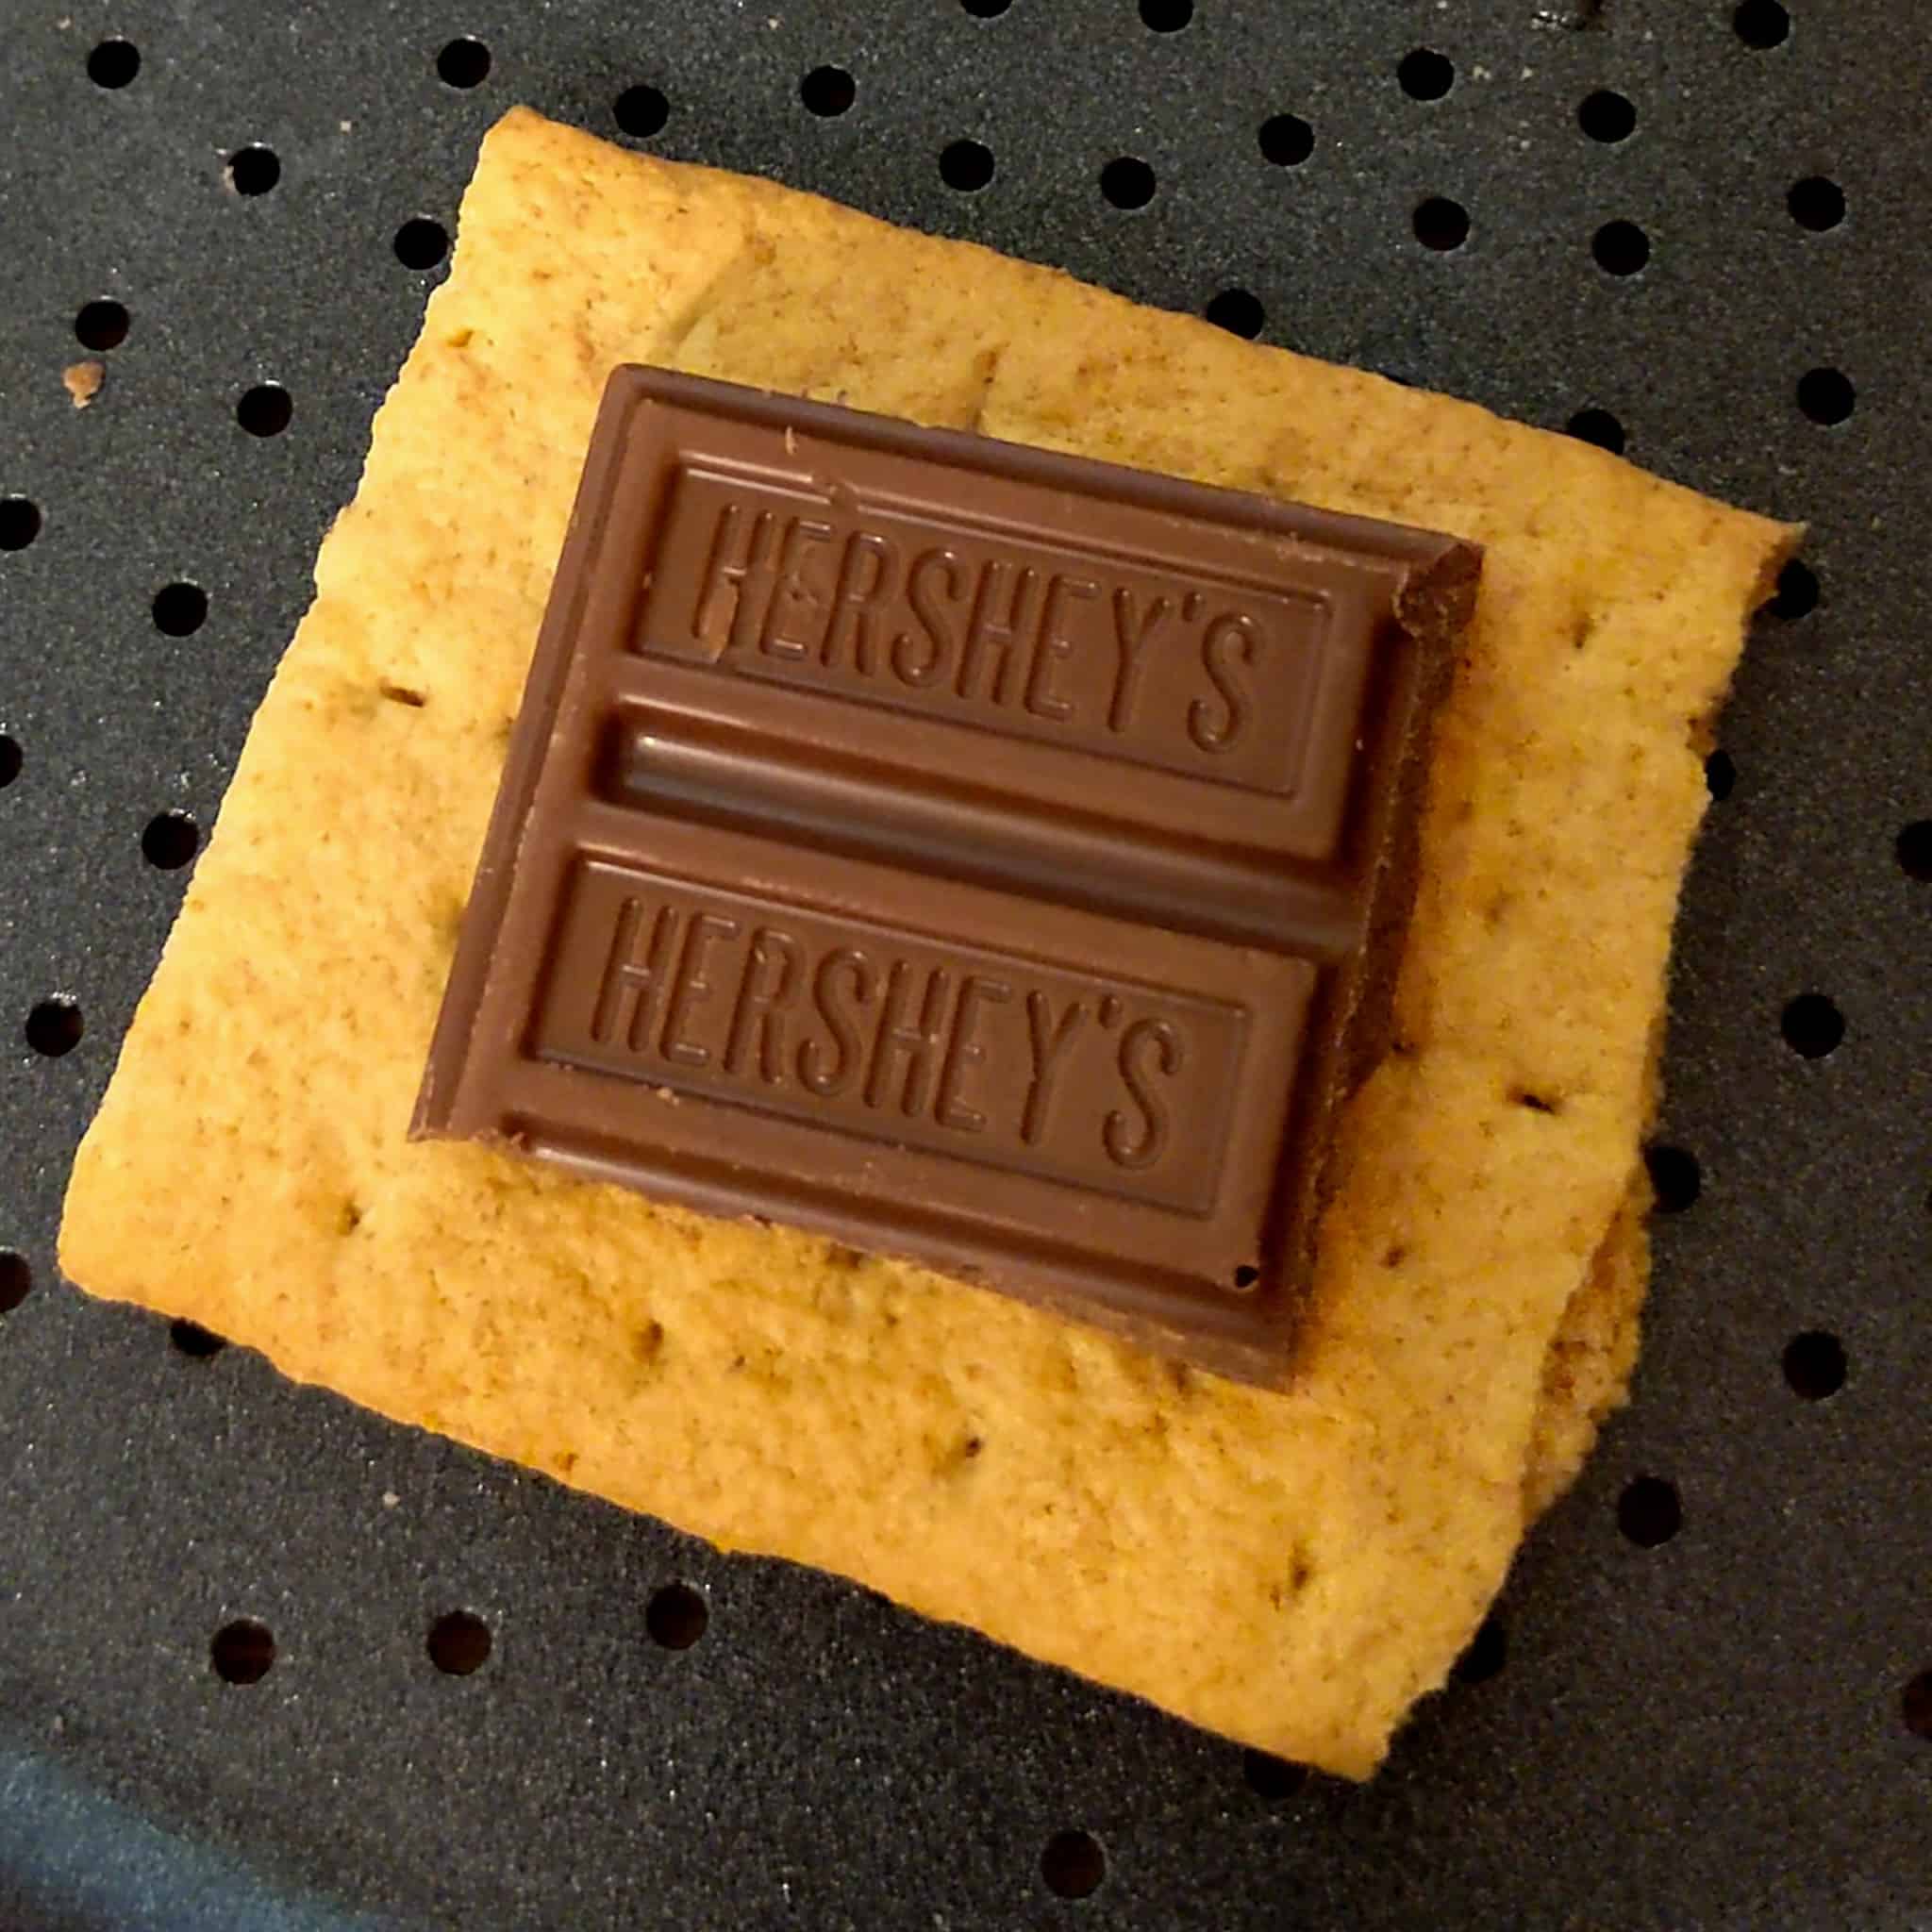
<point>1713,1729</point>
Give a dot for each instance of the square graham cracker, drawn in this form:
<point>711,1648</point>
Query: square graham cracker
<point>1292,1569</point>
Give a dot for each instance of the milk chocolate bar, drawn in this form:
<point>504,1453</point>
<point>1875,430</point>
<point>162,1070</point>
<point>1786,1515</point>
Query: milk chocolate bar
<point>982,856</point>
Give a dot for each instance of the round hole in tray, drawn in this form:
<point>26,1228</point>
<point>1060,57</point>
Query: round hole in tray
<point>1675,1178</point>
<point>1425,74</point>
<point>113,63</point>
<point>1598,426</point>
<point>641,111</point>
<point>20,523</point>
<point>253,170</point>
<point>1606,116</point>
<point>1166,16</point>
<point>1441,223</point>
<point>1073,1863</point>
<point>242,1652</point>
<point>1719,774</point>
<point>1237,311</point>
<point>464,62</point>
<point>458,1643</point>
<point>194,1341</point>
<point>16,1280</point>
<point>1816,203</point>
<point>966,165</point>
<point>421,242</point>
<point>1797,591</point>
<point>180,609</point>
<point>1814,1365</point>
<point>54,1027</point>
<point>1827,396</point>
<point>1812,1025</point>
<point>265,410</point>
<point>168,841</point>
<point>1286,140</point>
<point>827,90</point>
<point>1273,1778</point>
<point>1915,1705</point>
<point>1649,1512</point>
<point>676,1616</point>
<point>1487,1652</point>
<point>101,324</point>
<point>1761,23</point>
<point>1621,248</point>
<point>1913,847</point>
<point>10,760</point>
<point>1127,182</point>
<point>985,9</point>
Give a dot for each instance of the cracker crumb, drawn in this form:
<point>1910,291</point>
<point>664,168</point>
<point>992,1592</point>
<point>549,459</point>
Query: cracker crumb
<point>83,381</point>
<point>390,1499</point>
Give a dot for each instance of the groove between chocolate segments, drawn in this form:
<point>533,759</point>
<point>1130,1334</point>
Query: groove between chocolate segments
<point>980,856</point>
<point>721,775</point>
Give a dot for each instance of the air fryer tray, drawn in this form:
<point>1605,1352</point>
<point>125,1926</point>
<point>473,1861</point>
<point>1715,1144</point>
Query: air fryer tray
<point>266,1662</point>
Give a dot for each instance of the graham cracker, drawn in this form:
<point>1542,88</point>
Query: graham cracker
<point>1291,1569</point>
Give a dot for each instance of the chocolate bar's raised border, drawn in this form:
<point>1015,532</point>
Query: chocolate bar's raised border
<point>1099,884</point>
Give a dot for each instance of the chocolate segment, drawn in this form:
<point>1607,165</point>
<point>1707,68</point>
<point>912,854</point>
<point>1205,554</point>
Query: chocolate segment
<point>982,856</point>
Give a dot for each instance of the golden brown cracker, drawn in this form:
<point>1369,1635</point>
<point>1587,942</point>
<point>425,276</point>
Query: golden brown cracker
<point>1292,1569</point>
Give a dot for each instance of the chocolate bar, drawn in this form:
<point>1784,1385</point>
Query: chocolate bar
<point>982,857</point>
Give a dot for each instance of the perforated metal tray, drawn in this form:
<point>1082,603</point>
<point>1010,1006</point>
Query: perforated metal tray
<point>1704,1700</point>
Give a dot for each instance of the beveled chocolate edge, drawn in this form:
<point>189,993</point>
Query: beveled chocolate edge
<point>483,910</point>
<point>1416,550</point>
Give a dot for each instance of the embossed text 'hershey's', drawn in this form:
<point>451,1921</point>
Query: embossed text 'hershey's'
<point>960,851</point>
<point>1001,1062</point>
<point>1032,635</point>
